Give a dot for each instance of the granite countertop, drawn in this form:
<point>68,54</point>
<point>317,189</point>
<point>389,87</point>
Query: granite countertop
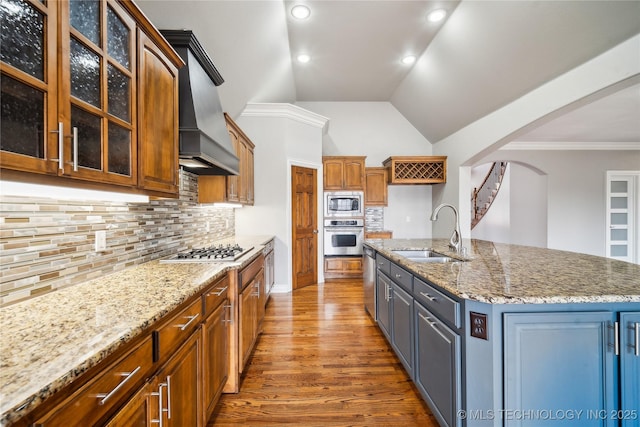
<point>499,273</point>
<point>49,341</point>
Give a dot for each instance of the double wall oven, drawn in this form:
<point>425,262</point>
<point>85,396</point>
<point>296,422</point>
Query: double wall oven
<point>343,223</point>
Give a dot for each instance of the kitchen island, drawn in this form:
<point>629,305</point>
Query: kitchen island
<point>514,335</point>
<point>50,342</point>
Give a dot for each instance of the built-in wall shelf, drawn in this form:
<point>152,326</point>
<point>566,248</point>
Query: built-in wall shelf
<point>416,169</point>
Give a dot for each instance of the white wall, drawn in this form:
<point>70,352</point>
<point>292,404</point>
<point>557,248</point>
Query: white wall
<point>377,130</point>
<point>575,195</point>
<point>284,135</point>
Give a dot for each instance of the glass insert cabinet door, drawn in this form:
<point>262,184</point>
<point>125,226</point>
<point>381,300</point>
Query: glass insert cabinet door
<point>28,86</point>
<point>101,76</point>
<point>623,220</point>
<point>68,95</point>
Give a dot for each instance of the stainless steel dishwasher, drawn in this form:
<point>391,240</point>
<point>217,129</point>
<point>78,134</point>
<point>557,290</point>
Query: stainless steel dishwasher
<point>369,281</point>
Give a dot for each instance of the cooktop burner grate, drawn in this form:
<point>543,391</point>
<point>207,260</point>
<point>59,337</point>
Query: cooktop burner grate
<point>214,253</point>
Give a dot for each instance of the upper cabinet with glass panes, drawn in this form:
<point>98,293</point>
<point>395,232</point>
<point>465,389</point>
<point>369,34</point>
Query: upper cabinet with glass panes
<point>69,105</point>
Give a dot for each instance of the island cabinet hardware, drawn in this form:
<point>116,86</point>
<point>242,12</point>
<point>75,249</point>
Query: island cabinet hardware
<point>343,173</point>
<point>99,84</point>
<point>416,169</point>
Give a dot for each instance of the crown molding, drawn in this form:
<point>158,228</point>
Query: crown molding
<point>556,145</point>
<point>287,111</point>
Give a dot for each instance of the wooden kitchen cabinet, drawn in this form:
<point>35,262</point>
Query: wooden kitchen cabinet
<point>177,387</point>
<point>251,308</point>
<point>343,173</point>
<point>215,344</point>
<point>108,388</point>
<point>70,96</point>
<point>232,188</point>
<point>336,267</point>
<point>375,193</point>
<point>137,412</point>
<point>416,169</point>
<point>158,169</point>
<point>378,234</point>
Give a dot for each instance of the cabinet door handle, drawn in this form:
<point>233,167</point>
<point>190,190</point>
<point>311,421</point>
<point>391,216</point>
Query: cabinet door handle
<point>168,410</point>
<point>107,396</point>
<point>227,314</point>
<point>637,343</point>
<point>161,410</point>
<point>60,133</point>
<point>75,149</point>
<point>616,338</point>
<point>186,325</point>
<point>427,296</point>
<point>428,320</point>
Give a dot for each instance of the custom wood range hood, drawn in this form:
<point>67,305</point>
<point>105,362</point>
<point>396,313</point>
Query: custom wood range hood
<point>205,145</point>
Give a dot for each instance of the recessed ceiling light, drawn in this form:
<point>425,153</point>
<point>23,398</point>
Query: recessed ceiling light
<point>304,58</point>
<point>409,59</point>
<point>437,15</point>
<point>300,11</point>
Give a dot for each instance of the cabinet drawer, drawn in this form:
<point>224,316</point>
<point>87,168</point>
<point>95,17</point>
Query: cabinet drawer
<point>248,273</point>
<point>383,264</point>
<point>214,296</point>
<point>170,335</point>
<point>93,401</point>
<point>402,277</point>
<point>437,302</point>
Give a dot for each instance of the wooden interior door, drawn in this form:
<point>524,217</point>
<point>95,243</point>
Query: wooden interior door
<point>304,210</point>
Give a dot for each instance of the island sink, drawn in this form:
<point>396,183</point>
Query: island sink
<point>423,255</point>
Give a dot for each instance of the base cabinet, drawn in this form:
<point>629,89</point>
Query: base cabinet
<point>630,368</point>
<point>336,267</point>
<point>437,367</point>
<point>395,314</point>
<point>136,412</point>
<point>176,386</point>
<point>215,360</point>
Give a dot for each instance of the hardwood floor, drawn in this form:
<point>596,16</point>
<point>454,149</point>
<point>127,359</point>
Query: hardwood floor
<point>322,361</point>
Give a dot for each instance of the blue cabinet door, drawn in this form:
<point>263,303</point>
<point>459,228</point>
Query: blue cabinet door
<point>402,327</point>
<point>437,366</point>
<point>559,369</point>
<point>630,369</point>
<point>383,307</point>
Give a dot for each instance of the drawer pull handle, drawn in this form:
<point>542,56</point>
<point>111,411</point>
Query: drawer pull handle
<point>637,344</point>
<point>186,325</point>
<point>398,276</point>
<point>429,297</point>
<point>220,291</point>
<point>107,396</point>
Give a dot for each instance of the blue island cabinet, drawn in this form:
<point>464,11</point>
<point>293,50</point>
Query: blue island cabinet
<point>571,369</point>
<point>630,369</point>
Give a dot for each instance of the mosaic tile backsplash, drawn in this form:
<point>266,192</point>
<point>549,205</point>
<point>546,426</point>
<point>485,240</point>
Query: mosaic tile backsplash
<point>47,244</point>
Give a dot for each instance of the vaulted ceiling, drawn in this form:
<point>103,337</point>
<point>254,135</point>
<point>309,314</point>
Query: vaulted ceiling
<point>484,55</point>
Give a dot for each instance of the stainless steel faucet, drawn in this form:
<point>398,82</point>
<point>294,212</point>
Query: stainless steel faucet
<point>455,241</point>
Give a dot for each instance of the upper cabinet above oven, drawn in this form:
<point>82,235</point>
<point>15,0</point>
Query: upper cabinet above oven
<point>343,173</point>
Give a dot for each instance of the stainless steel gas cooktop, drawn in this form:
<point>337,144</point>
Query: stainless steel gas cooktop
<point>215,253</point>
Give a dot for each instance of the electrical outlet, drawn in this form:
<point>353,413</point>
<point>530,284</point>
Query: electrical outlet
<point>479,325</point>
<point>101,240</point>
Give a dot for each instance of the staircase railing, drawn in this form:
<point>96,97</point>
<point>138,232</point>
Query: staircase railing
<point>483,196</point>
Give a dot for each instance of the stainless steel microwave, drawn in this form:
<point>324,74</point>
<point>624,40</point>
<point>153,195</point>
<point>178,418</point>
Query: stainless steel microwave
<point>343,204</point>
